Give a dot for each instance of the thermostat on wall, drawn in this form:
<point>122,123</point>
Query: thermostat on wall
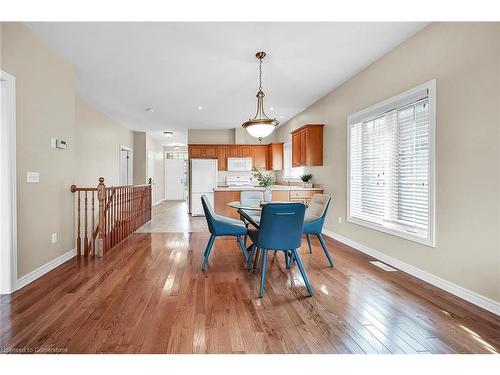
<point>58,143</point>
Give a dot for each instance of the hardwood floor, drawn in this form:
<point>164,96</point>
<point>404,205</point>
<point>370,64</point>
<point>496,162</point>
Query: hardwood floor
<point>149,295</point>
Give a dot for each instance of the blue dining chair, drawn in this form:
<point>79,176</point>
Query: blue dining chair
<point>280,228</point>
<point>219,225</point>
<point>250,198</point>
<point>313,222</point>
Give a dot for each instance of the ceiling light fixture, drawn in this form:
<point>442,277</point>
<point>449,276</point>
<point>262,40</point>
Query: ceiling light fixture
<point>149,110</point>
<point>168,134</point>
<point>177,147</point>
<point>200,108</point>
<point>261,125</point>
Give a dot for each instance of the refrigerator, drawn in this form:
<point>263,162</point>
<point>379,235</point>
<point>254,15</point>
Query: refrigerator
<point>203,180</point>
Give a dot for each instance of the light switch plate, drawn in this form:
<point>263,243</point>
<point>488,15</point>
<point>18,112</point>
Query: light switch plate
<point>32,177</point>
<point>54,237</point>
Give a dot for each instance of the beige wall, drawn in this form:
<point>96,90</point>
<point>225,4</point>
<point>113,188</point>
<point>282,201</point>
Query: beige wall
<point>222,136</point>
<point>140,158</point>
<point>464,58</point>
<point>45,108</point>
<point>98,141</point>
<point>154,148</point>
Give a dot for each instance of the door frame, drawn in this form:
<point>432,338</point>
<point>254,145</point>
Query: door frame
<point>125,148</point>
<point>8,246</point>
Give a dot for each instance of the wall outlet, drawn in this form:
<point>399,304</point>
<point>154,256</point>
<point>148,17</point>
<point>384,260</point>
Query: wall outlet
<point>340,219</point>
<point>54,237</point>
<point>32,177</point>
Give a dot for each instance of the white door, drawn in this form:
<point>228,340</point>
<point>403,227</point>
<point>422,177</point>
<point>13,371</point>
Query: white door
<point>125,166</point>
<point>174,179</point>
<point>151,174</point>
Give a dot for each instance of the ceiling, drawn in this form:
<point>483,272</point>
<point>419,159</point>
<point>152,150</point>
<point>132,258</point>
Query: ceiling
<point>122,68</point>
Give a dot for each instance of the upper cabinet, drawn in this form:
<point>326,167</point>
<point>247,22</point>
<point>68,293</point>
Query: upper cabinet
<point>275,157</point>
<point>222,158</point>
<point>307,145</point>
<point>245,151</point>
<point>260,156</point>
<point>264,157</point>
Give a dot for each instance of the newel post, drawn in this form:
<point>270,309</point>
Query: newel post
<point>150,198</point>
<point>101,196</point>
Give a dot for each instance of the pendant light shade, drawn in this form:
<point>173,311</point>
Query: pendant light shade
<point>260,126</point>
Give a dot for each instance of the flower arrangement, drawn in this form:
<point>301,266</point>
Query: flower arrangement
<point>265,180</point>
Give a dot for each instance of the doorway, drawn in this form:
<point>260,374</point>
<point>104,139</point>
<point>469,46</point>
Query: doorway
<point>126,162</point>
<point>8,218</point>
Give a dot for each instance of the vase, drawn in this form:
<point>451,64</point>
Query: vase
<point>268,196</point>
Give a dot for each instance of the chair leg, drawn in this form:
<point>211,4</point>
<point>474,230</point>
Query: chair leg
<point>302,271</point>
<point>208,249</point>
<point>242,247</point>
<point>258,256</point>
<point>308,236</point>
<point>250,257</point>
<point>291,258</point>
<point>263,273</point>
<point>325,249</point>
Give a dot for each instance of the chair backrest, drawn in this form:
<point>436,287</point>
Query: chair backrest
<point>318,206</point>
<point>210,214</point>
<point>281,226</point>
<point>251,198</point>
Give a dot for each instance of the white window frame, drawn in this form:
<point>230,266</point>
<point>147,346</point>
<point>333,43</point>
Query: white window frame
<point>285,176</point>
<point>385,106</point>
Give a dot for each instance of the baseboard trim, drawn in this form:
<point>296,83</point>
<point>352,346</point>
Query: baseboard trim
<point>40,271</point>
<point>466,294</point>
<point>157,203</point>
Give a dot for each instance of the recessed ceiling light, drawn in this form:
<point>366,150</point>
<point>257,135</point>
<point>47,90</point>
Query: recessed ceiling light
<point>271,108</point>
<point>200,108</point>
<point>282,116</point>
<point>149,110</point>
<point>168,134</point>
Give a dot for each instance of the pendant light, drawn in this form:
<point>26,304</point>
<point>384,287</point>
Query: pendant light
<point>261,125</point>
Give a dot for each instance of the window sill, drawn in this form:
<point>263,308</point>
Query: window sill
<point>395,232</point>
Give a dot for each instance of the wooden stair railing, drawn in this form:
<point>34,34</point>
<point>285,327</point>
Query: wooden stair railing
<point>113,213</point>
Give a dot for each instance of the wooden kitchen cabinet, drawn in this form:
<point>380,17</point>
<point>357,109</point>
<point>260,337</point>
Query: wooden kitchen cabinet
<point>222,158</point>
<point>211,151</point>
<point>275,157</point>
<point>222,198</point>
<point>307,145</point>
<point>260,156</point>
<point>245,151</point>
<point>233,151</point>
<point>196,151</point>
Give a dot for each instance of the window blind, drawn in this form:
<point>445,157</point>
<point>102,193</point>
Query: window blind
<point>390,167</point>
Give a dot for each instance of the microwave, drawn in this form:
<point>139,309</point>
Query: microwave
<point>239,164</point>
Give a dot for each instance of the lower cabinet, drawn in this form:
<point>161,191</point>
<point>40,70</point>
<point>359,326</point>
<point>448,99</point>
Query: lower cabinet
<point>222,198</point>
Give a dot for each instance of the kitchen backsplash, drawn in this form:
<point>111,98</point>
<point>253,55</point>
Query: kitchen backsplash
<point>223,174</point>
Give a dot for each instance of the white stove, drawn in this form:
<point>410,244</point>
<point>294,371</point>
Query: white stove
<point>238,181</point>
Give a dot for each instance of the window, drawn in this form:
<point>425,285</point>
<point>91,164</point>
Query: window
<point>391,165</point>
<point>290,173</point>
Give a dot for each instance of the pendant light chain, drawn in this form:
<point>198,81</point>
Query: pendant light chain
<point>260,74</point>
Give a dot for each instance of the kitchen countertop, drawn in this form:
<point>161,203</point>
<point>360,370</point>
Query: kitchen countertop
<point>260,188</point>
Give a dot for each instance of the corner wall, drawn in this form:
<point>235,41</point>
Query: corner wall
<point>45,108</point>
